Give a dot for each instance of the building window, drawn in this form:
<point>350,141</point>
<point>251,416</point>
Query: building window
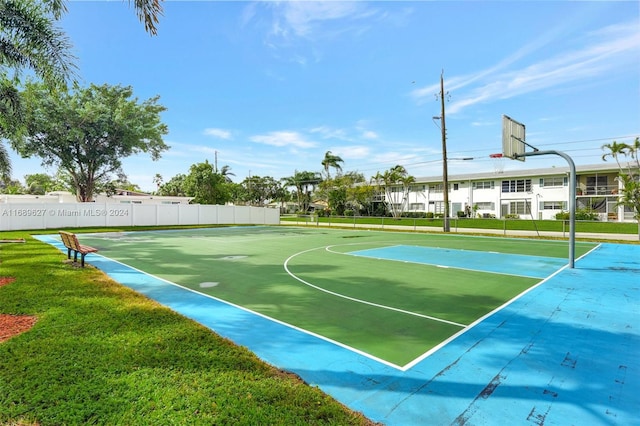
<point>416,206</point>
<point>437,189</point>
<point>553,205</point>
<point>516,185</point>
<point>456,186</point>
<point>417,188</point>
<point>596,185</point>
<point>487,184</point>
<point>519,207</point>
<point>486,205</point>
<point>554,181</point>
<point>438,207</point>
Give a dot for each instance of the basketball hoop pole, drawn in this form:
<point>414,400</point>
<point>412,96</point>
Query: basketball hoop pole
<point>572,198</point>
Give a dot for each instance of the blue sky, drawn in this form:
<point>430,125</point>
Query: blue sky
<point>269,87</point>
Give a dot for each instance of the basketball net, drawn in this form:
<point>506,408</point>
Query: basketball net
<point>498,163</point>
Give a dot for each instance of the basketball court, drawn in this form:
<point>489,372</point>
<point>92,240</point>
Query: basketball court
<point>542,344</point>
<point>413,328</point>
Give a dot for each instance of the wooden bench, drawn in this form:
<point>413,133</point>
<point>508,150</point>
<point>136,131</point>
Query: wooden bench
<point>71,242</point>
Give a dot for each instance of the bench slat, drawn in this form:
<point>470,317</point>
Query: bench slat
<point>71,242</point>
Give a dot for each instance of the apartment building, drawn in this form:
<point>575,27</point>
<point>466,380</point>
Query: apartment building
<point>537,193</point>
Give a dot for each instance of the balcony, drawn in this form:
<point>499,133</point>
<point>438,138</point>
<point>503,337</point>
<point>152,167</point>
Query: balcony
<point>600,190</point>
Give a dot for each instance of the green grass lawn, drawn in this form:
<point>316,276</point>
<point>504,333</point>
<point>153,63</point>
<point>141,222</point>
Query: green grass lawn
<point>510,224</point>
<point>103,354</point>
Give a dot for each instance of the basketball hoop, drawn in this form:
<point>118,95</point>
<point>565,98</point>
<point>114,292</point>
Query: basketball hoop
<point>498,162</point>
<point>513,138</point>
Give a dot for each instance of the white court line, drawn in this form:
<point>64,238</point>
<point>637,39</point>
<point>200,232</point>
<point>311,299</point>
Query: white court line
<point>438,265</point>
<point>487,315</point>
<point>353,299</point>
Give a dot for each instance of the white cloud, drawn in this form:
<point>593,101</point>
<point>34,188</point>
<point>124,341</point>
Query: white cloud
<point>283,138</point>
<point>302,17</point>
<point>330,133</point>
<point>218,133</point>
<point>355,152</point>
<point>482,123</point>
<point>610,48</point>
<point>369,134</point>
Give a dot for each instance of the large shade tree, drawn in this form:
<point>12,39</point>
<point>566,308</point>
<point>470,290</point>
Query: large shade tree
<point>207,185</point>
<point>88,131</point>
<point>173,187</point>
<point>41,183</point>
<point>339,192</point>
<point>258,190</point>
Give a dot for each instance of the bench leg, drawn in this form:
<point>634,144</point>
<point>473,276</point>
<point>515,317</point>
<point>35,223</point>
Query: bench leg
<point>75,256</point>
<point>68,253</point>
<point>82,255</point>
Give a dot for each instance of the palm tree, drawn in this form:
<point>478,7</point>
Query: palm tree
<point>30,40</point>
<point>634,151</point>
<point>148,12</point>
<point>5,164</point>
<point>9,116</point>
<point>615,149</point>
<point>294,181</point>
<point>225,172</point>
<point>393,179</point>
<point>305,183</point>
<point>331,161</point>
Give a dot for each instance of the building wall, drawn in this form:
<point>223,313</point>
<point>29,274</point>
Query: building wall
<point>539,196</point>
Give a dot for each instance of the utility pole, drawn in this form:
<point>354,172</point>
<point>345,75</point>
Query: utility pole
<point>445,173</point>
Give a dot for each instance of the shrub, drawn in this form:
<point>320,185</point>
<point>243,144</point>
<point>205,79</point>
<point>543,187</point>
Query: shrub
<point>581,214</point>
<point>586,214</point>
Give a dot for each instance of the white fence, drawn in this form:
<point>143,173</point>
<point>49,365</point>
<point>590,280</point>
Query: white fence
<point>19,216</point>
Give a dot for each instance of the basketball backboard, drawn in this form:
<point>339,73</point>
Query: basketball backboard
<point>513,138</point>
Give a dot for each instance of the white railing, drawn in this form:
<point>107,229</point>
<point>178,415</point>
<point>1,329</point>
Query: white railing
<point>20,216</point>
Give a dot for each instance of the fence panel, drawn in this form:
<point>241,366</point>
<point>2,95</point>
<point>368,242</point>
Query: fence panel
<point>21,216</point>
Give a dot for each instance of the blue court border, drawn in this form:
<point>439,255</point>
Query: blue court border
<point>566,352</point>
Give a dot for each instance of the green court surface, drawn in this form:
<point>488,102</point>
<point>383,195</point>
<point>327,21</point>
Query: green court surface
<point>391,296</point>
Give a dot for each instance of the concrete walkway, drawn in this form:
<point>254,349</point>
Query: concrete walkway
<point>565,353</point>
